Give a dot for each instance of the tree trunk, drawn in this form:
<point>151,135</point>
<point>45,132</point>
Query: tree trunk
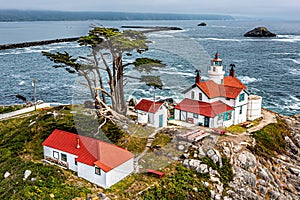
<point>118,100</point>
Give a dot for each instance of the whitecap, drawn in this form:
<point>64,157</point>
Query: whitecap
<point>297,61</point>
<point>247,79</point>
<point>287,38</point>
<point>22,83</point>
<point>221,39</point>
<point>294,71</point>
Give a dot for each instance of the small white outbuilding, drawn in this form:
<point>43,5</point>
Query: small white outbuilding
<point>99,162</point>
<point>153,113</point>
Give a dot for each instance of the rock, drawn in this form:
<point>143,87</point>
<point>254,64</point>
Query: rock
<point>6,175</point>
<point>260,32</point>
<point>185,163</point>
<point>206,184</point>
<point>215,158</point>
<point>291,145</point>
<point>26,174</point>
<point>102,196</point>
<point>202,168</point>
<point>51,195</point>
<point>218,197</point>
<point>202,24</point>
<point>273,194</point>
<point>227,198</point>
<point>33,179</point>
<point>226,151</point>
<point>294,170</point>
<point>263,174</point>
<point>297,139</point>
<point>247,161</point>
<point>132,102</point>
<point>245,177</point>
<point>201,152</point>
<point>263,190</point>
<point>262,182</point>
<point>180,147</point>
<point>210,153</point>
<point>194,164</point>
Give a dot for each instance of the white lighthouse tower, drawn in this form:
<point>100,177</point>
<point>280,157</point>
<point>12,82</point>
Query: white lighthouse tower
<point>216,72</point>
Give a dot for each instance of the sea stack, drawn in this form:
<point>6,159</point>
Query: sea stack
<point>260,32</point>
<point>202,24</point>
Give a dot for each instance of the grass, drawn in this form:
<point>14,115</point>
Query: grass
<point>7,109</point>
<point>182,183</point>
<point>21,149</point>
<point>226,173</point>
<point>235,129</point>
<point>161,139</point>
<point>270,140</point>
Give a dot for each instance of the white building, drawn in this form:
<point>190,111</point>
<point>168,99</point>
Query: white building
<point>219,102</point>
<point>99,162</point>
<point>153,113</point>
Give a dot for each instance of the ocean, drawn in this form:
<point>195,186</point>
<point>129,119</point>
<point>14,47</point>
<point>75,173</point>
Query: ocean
<point>270,67</point>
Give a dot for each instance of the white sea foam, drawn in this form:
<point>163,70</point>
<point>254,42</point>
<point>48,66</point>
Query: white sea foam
<point>221,39</point>
<point>287,38</point>
<point>294,71</point>
<point>297,61</point>
<point>247,79</point>
<point>22,83</point>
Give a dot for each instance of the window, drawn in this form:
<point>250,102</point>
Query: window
<point>195,116</point>
<point>242,97</point>
<point>227,116</point>
<point>55,155</point>
<point>200,96</point>
<point>192,95</point>
<point>241,110</point>
<point>75,161</point>
<point>97,170</point>
<point>63,157</point>
<point>220,116</point>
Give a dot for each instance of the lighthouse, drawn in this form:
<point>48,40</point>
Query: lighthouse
<point>216,72</point>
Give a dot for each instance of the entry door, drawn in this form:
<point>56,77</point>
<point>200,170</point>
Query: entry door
<point>161,120</point>
<point>183,116</point>
<point>206,121</point>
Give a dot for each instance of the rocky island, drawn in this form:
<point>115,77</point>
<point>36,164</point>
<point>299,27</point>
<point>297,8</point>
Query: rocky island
<point>260,32</point>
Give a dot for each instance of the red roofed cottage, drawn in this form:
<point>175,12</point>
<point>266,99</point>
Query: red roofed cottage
<point>153,113</point>
<point>97,161</point>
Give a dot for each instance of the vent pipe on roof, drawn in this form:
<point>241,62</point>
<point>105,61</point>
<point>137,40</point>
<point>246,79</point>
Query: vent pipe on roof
<point>78,141</point>
<point>198,78</point>
<point>231,72</point>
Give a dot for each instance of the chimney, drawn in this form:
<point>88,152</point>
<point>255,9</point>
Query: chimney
<point>78,141</point>
<point>231,72</point>
<point>198,78</point>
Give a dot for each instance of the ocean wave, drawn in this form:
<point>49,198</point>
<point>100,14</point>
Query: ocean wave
<point>178,73</point>
<point>247,79</point>
<point>287,38</point>
<point>157,35</point>
<point>294,71</point>
<point>221,39</point>
<point>297,61</point>
<point>22,83</point>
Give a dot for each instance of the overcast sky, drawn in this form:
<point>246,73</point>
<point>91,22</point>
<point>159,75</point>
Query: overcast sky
<point>257,8</point>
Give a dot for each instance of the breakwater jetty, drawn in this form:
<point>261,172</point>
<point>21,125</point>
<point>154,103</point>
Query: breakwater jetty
<point>153,28</point>
<point>36,43</point>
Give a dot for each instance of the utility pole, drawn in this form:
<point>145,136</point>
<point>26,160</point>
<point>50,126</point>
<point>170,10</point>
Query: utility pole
<point>34,92</point>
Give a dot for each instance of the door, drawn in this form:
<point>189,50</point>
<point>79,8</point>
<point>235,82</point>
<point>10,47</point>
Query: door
<point>182,116</point>
<point>206,121</point>
<point>161,121</point>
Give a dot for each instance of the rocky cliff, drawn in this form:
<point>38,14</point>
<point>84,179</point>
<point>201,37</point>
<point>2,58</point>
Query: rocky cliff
<point>262,168</point>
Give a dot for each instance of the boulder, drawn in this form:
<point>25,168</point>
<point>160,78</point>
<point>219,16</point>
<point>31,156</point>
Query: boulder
<point>202,24</point>
<point>260,32</point>
<point>247,161</point>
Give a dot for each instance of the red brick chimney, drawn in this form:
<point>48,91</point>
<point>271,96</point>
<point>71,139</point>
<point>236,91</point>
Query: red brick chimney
<point>198,78</point>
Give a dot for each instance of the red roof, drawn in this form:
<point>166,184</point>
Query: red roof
<point>203,108</point>
<point>148,106</point>
<point>213,90</point>
<point>233,82</point>
<point>91,152</point>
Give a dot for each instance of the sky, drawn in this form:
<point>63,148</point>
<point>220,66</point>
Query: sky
<point>285,9</point>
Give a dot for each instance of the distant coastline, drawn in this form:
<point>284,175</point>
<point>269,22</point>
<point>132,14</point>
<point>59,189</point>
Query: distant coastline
<point>35,15</point>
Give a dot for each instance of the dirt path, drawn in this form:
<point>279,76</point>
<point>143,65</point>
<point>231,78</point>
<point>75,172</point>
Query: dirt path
<point>268,118</point>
